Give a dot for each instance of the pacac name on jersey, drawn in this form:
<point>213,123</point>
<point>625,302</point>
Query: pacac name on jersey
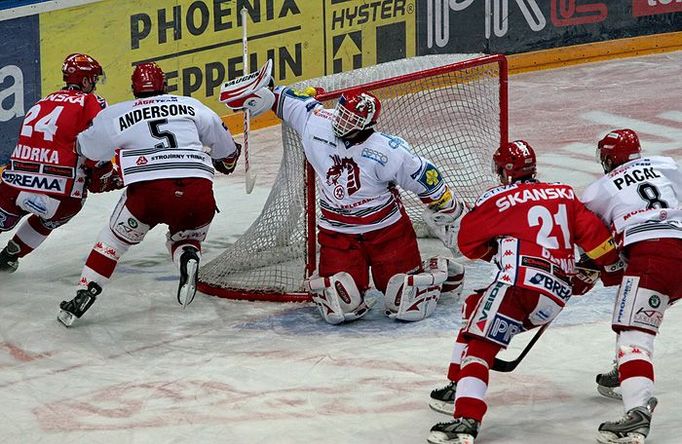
<point>42,155</point>
<point>635,176</point>
<point>533,194</point>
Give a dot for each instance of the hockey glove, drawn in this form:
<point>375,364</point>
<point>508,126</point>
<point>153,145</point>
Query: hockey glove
<point>229,163</point>
<point>443,220</point>
<point>103,177</point>
<point>586,275</point>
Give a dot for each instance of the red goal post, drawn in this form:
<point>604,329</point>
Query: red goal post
<point>451,109</point>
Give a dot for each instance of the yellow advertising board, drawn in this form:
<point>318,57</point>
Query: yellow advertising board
<point>198,43</point>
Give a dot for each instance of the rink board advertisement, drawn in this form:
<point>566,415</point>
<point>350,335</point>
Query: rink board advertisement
<point>508,26</point>
<point>19,77</point>
<point>199,43</point>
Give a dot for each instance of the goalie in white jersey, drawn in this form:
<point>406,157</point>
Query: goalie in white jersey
<point>639,197</point>
<point>363,223</point>
<point>167,148</point>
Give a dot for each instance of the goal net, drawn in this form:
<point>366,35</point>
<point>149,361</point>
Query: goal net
<point>451,109</point>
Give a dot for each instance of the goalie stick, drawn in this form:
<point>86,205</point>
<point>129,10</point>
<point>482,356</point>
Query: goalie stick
<point>507,366</point>
<point>250,175</point>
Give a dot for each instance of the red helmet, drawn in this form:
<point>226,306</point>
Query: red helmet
<point>618,147</point>
<point>513,161</point>
<point>148,78</point>
<point>355,111</point>
<point>78,66</point>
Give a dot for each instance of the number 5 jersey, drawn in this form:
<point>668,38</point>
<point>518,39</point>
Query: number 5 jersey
<point>159,137</point>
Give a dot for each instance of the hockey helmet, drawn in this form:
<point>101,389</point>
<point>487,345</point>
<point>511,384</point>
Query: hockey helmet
<point>514,161</point>
<point>618,147</point>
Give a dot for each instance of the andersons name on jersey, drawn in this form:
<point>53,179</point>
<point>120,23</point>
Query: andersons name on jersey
<point>154,112</point>
<point>536,194</point>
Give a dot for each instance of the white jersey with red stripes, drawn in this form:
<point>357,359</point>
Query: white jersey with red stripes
<point>159,137</point>
<point>357,182</point>
<point>640,199</point>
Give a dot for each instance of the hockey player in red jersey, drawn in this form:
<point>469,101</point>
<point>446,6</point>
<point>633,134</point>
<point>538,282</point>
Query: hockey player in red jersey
<point>363,223</point>
<point>45,177</point>
<point>160,143</point>
<point>639,198</point>
<point>530,229</point>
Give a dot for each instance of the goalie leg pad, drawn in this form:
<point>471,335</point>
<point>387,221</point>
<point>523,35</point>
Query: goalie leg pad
<point>337,298</point>
<point>413,297</point>
<point>455,280</point>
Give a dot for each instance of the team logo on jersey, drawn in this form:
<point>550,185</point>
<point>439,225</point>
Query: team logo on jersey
<point>141,160</point>
<point>430,177</point>
<point>340,167</point>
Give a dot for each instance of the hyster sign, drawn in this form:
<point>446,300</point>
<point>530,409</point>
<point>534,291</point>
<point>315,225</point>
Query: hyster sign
<point>364,33</point>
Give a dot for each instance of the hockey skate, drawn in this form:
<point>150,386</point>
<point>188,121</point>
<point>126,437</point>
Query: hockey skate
<point>73,309</point>
<point>459,431</point>
<point>608,384</point>
<point>9,258</point>
<point>443,399</point>
<point>189,272</point>
<point>633,428</point>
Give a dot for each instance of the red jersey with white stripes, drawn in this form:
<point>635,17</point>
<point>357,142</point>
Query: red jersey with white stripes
<point>357,182</point>
<point>532,227</point>
<point>44,159</point>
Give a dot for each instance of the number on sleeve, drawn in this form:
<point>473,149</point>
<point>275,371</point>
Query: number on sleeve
<point>650,194</point>
<point>166,136</point>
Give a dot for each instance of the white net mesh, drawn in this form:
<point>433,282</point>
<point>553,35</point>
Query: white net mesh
<point>451,116</point>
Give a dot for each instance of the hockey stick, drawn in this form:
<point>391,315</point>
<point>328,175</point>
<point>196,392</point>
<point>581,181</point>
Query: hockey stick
<point>507,366</point>
<point>250,175</point>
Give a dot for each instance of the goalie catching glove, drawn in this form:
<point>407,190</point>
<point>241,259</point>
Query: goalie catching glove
<point>250,92</point>
<point>229,163</point>
<point>443,217</point>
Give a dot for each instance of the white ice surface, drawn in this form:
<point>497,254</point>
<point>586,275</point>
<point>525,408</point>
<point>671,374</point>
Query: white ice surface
<point>139,369</point>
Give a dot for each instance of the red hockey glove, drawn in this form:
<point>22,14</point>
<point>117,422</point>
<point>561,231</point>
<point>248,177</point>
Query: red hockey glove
<point>228,164</point>
<point>103,177</point>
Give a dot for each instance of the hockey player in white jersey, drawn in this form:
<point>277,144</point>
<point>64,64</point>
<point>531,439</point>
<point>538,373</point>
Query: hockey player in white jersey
<point>639,197</point>
<point>363,223</point>
<point>167,148</point>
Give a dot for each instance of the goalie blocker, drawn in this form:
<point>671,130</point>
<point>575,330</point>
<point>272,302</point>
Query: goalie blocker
<point>409,297</point>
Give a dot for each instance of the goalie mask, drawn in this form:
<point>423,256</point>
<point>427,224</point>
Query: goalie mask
<point>514,161</point>
<point>355,111</point>
<point>147,79</point>
<point>77,67</point>
<point>618,147</point>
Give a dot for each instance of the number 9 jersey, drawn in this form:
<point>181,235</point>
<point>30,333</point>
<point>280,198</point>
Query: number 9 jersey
<point>531,229</point>
<point>639,199</point>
